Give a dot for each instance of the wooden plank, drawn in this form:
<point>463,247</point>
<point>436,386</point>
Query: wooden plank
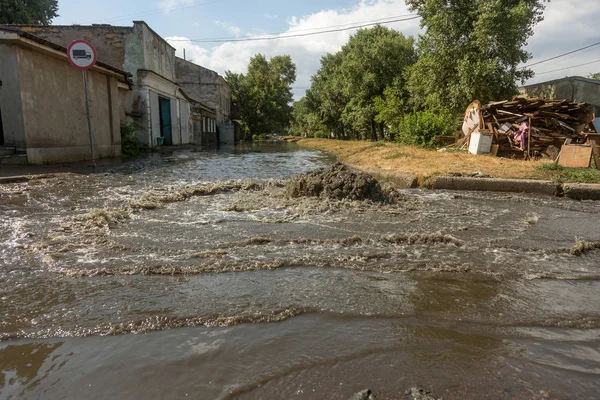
<point>567,142</point>
<point>495,148</point>
<point>529,140</point>
<point>445,139</point>
<point>596,153</point>
<point>573,156</point>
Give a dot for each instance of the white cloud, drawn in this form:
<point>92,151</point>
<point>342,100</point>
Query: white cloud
<point>167,5</point>
<point>271,16</point>
<point>306,51</point>
<point>556,34</point>
<point>234,30</point>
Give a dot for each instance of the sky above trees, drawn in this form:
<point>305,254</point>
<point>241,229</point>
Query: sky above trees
<point>568,24</point>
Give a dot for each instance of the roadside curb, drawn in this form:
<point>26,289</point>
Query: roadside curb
<point>400,180</point>
<point>406,180</point>
<point>582,191</point>
<point>498,185</point>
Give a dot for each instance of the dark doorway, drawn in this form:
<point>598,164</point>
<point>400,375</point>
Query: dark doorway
<point>1,130</point>
<point>165,120</point>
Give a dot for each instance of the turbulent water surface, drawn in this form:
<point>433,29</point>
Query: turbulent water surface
<point>195,274</point>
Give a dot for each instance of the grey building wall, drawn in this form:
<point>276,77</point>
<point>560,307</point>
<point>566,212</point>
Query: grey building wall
<point>206,86</point>
<point>175,138</point>
<point>137,50</point>
<point>53,115</point>
<point>184,111</point>
<point>226,132</point>
<point>574,88</point>
<point>155,120</point>
<point>108,40</point>
<point>10,98</point>
<point>159,56</point>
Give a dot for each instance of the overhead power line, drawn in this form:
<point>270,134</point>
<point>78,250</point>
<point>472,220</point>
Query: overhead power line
<point>281,36</point>
<point>561,55</point>
<point>562,69</point>
<point>292,30</point>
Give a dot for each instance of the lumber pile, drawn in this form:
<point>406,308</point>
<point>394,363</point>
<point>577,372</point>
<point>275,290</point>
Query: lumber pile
<point>549,123</point>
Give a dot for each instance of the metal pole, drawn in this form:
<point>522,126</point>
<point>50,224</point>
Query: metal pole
<point>87,109</point>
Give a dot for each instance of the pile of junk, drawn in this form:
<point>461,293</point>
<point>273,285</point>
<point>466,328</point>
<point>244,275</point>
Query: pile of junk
<point>563,131</point>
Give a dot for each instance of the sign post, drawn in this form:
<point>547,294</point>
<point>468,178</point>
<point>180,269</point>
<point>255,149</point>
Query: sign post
<point>82,55</point>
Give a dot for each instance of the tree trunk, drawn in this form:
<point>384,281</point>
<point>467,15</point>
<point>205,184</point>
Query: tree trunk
<point>373,131</point>
<point>381,132</point>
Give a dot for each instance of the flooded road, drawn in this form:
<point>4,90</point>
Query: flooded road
<point>193,274</point>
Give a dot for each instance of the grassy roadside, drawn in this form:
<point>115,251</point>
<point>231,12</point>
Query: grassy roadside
<point>427,163</point>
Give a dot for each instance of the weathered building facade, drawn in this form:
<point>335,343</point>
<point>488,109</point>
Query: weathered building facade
<point>156,104</point>
<point>574,87</point>
<point>136,81</point>
<point>42,103</point>
<point>210,89</point>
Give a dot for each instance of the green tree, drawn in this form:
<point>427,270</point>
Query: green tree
<point>372,60</point>
<point>305,121</point>
<point>348,86</point>
<point>28,11</point>
<point>594,76</point>
<point>264,93</point>
<point>471,49</point>
<point>326,100</point>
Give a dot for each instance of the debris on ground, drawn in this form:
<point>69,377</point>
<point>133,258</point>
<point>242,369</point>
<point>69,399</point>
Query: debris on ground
<point>363,395</point>
<point>338,182</point>
<point>527,128</point>
<point>417,393</point>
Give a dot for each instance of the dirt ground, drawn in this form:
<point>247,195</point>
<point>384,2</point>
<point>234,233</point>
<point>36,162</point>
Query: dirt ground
<point>429,162</point>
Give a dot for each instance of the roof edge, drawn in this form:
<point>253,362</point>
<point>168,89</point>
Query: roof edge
<point>58,47</point>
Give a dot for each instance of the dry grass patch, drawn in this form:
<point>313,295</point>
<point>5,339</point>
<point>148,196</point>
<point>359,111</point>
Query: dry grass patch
<point>425,162</point>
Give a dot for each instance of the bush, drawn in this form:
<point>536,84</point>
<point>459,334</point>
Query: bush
<point>130,144</point>
<point>421,128</point>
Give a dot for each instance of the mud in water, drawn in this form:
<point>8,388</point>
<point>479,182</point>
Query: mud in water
<point>339,181</point>
<point>271,272</point>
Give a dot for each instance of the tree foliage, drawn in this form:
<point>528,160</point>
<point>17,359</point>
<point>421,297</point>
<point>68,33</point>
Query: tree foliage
<point>28,11</point>
<point>264,93</point>
<point>471,49</point>
<point>344,92</point>
<point>594,76</point>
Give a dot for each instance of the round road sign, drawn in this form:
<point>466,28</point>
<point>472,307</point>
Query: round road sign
<point>82,54</point>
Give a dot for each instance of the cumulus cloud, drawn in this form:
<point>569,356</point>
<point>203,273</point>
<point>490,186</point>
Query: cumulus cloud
<point>556,34</point>
<point>235,30</point>
<point>168,5</point>
<point>306,51</point>
<point>271,16</point>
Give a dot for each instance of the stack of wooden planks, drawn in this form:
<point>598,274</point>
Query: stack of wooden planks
<point>550,123</point>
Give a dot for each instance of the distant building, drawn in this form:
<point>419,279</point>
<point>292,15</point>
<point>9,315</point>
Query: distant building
<point>42,102</point>
<point>156,104</point>
<point>573,87</point>
<point>164,111</point>
<point>211,89</point>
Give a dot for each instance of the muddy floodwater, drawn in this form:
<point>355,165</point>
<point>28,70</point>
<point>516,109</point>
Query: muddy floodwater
<point>195,274</point>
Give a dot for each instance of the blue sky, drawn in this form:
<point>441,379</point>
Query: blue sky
<point>195,18</point>
<point>568,24</point>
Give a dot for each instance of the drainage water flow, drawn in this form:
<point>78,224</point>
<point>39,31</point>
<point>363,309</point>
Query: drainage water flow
<point>217,275</point>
